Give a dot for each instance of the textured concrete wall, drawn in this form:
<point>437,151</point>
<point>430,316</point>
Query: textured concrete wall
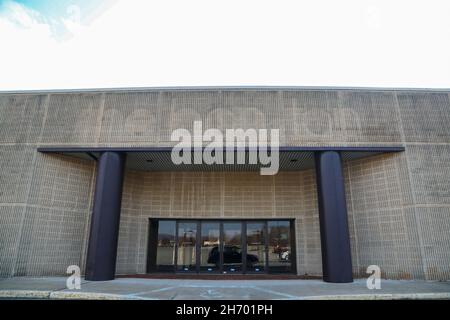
<point>382,220</point>
<point>399,204</point>
<point>44,199</point>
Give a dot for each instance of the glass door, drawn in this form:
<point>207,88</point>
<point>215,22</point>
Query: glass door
<point>280,250</point>
<point>210,257</point>
<point>187,240</point>
<point>256,247</point>
<point>165,251</point>
<point>232,247</point>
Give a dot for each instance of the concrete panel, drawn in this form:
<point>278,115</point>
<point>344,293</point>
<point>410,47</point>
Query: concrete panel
<point>312,117</point>
<point>309,256</point>
<point>158,193</point>
<point>248,195</point>
<point>369,117</point>
<point>61,182</point>
<point>133,235</point>
<point>378,182</point>
<point>11,220</point>
<point>184,107</point>
<point>386,238</point>
<point>51,240</point>
<point>434,226</point>
<point>72,119</point>
<point>21,117</point>
<point>254,110</point>
<point>132,117</point>
<point>294,192</point>
<point>382,222</point>
<point>16,167</point>
<point>425,116</point>
<point>430,173</point>
<point>53,223</point>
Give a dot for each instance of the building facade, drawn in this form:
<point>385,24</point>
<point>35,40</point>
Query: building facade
<point>364,179</point>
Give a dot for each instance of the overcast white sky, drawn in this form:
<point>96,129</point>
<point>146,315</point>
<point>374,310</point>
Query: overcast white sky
<point>132,43</point>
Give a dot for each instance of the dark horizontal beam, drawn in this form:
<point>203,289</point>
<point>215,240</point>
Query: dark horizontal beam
<point>246,149</point>
<point>224,219</point>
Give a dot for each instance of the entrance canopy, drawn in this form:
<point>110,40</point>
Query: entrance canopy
<point>159,158</point>
<point>327,161</point>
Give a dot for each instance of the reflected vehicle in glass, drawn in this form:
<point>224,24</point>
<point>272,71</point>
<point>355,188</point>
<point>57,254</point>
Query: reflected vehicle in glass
<point>231,254</point>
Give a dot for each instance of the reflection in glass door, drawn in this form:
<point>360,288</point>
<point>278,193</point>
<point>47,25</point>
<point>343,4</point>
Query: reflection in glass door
<point>187,239</point>
<point>280,252</point>
<point>256,246</point>
<point>165,251</point>
<point>210,247</point>
<point>232,247</point>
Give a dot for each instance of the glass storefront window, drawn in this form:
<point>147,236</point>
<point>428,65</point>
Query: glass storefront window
<point>251,246</point>
<point>256,246</point>
<point>165,251</point>
<point>232,247</point>
<point>187,239</point>
<point>210,246</point>
<point>279,246</point>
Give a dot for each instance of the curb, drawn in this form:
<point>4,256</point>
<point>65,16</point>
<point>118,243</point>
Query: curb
<point>384,296</point>
<point>61,295</point>
<point>24,294</point>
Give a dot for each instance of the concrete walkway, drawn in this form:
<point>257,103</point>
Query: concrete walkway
<point>167,289</point>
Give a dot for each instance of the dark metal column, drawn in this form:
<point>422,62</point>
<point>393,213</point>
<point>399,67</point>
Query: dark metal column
<point>102,249</point>
<point>334,235</point>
